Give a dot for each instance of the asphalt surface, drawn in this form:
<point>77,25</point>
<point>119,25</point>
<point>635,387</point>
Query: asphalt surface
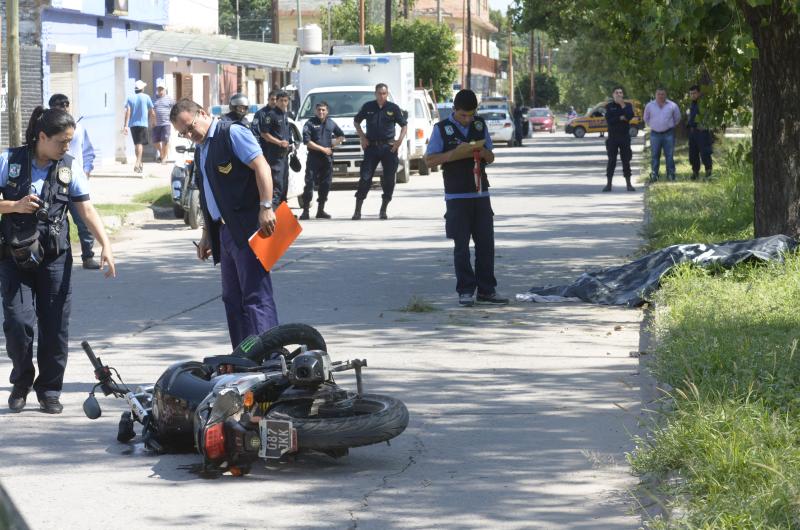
<point>520,415</point>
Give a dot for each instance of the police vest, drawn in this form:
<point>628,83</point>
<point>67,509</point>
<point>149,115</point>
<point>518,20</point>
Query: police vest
<point>17,228</point>
<point>458,175</point>
<point>233,184</point>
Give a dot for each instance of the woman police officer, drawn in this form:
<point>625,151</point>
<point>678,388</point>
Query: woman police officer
<point>38,181</point>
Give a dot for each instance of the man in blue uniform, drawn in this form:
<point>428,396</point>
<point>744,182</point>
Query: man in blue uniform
<point>272,129</point>
<point>379,145</point>
<point>236,198</point>
<point>81,149</point>
<point>469,210</point>
<point>618,116</point>
<point>699,136</point>
<point>320,134</point>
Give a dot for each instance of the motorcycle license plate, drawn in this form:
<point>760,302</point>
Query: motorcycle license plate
<point>277,438</point>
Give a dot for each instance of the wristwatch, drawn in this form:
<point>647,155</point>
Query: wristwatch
<point>266,204</point>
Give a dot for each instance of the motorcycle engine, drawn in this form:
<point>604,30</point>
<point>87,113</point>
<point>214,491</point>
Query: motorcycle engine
<point>310,368</point>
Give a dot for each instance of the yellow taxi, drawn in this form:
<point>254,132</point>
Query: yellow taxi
<point>595,122</point>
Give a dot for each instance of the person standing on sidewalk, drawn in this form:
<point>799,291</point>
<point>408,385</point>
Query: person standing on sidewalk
<point>138,112</point>
<point>81,150</point>
<point>236,198</point>
<point>162,129</point>
<point>379,145</point>
<point>662,116</point>
<point>699,136</point>
<point>320,134</point>
<point>38,182</point>
<point>275,137</point>
<point>618,116</point>
<point>469,210</point>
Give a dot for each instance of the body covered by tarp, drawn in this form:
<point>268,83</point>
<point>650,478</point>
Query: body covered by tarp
<point>633,283</point>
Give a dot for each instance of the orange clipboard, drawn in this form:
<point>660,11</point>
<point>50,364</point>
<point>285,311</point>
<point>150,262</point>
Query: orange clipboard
<point>268,250</point>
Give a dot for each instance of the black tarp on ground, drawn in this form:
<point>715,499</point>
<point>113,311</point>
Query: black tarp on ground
<point>632,284</point>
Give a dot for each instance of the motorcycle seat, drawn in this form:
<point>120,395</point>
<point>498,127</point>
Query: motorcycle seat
<point>215,361</point>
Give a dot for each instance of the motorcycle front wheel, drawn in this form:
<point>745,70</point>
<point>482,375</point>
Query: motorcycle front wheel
<point>373,419</point>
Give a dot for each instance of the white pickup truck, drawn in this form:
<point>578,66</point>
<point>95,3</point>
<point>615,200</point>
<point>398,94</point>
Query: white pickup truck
<point>345,82</point>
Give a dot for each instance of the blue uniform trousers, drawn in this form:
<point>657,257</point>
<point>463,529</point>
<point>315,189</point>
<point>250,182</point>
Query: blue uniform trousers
<point>374,154</point>
<point>279,167</point>
<point>622,145</point>
<point>700,149</point>
<point>246,291</point>
<point>38,299</point>
<point>86,237</point>
<point>319,171</point>
<point>465,219</point>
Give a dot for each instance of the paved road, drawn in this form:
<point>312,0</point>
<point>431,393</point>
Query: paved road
<point>520,416</point>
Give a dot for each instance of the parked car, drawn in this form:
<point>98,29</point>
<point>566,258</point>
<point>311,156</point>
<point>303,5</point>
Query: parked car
<point>500,123</point>
<point>595,120</point>
<point>445,109</point>
<point>542,119</point>
<point>420,127</point>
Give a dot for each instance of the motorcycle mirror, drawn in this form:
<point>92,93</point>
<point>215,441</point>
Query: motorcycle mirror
<point>92,408</point>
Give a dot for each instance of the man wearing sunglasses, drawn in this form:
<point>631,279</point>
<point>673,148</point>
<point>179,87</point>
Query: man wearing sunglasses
<point>236,198</point>
<point>81,149</point>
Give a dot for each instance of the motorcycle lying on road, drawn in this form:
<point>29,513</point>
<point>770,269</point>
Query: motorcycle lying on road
<point>272,396</point>
<point>185,193</point>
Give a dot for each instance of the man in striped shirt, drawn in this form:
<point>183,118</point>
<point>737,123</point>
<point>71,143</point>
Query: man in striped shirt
<point>162,105</point>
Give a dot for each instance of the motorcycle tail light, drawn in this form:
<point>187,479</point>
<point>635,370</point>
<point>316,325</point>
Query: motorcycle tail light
<point>420,134</point>
<point>215,442</point>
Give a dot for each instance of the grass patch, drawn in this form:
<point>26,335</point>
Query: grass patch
<point>727,342</point>
<point>417,304</point>
<point>161,196</point>
<point>702,212</point>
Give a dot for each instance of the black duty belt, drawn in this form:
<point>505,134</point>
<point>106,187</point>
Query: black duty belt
<point>382,142</point>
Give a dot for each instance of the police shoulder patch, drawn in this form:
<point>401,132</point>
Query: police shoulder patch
<point>225,169</point>
<point>14,170</point>
<point>64,175</point>
<point>478,125</point>
<point>449,130</point>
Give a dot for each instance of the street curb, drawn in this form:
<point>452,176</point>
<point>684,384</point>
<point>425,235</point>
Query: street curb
<point>135,218</point>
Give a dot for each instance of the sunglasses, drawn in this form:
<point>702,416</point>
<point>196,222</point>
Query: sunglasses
<point>189,129</point>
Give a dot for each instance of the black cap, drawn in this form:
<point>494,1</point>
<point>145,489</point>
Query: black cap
<point>58,101</point>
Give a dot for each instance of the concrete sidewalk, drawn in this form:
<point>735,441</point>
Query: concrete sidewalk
<point>520,415</point>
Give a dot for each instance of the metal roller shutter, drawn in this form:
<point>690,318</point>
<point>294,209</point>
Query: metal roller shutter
<point>63,77</point>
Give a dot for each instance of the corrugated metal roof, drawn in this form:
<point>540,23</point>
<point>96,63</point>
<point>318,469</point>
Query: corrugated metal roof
<point>219,49</point>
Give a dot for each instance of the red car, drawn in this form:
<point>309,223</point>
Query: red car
<point>542,119</point>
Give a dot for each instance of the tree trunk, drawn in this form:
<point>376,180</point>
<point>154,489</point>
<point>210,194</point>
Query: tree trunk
<point>776,120</point>
<point>387,27</point>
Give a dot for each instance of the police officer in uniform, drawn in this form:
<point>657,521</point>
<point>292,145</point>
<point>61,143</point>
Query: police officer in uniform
<point>238,107</point>
<point>618,117</point>
<point>379,145</point>
<point>699,136</point>
<point>236,198</point>
<point>38,182</point>
<point>272,129</point>
<point>320,134</point>
<point>469,210</point>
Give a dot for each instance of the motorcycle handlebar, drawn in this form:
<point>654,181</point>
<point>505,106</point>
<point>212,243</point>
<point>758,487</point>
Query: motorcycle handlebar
<point>92,357</point>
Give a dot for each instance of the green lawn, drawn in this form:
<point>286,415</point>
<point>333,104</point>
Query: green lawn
<point>726,341</point>
<point>160,196</point>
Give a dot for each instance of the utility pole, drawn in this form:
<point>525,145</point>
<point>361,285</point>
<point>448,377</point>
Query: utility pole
<point>14,88</point>
<point>468,83</point>
<point>438,11</point>
<point>510,62</point>
<point>237,19</point>
<point>387,26</point>
<point>361,22</point>
<point>532,70</point>
<point>299,16</point>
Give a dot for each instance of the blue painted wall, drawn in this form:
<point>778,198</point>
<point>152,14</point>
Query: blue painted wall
<point>96,67</point>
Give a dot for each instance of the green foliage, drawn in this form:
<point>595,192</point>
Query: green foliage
<point>254,15</point>
<point>703,212</point>
<point>547,91</point>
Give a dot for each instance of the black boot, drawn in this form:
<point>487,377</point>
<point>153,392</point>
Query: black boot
<point>382,214</point>
<point>357,213</point>
<point>708,174</point>
<point>304,215</point>
<point>608,186</point>
<point>628,185</point>
<point>695,174</point>
<point>321,213</point>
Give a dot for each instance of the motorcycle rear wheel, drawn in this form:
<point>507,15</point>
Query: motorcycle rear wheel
<point>376,419</point>
<point>285,339</point>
